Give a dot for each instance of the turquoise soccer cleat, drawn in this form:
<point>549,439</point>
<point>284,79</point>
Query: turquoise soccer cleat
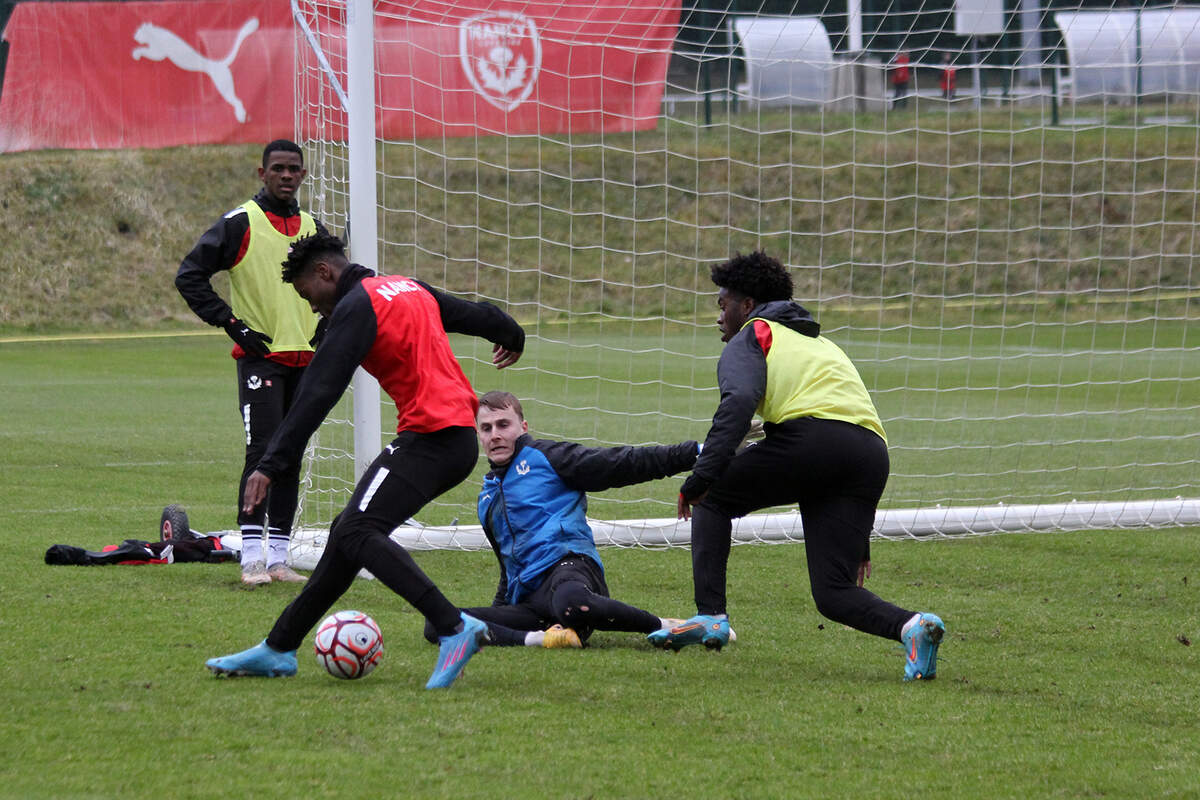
<point>703,629</point>
<point>921,648</point>
<point>454,652</point>
<point>259,661</point>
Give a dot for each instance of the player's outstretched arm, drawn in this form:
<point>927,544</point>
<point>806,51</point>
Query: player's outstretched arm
<point>483,320</point>
<point>348,339</point>
<point>594,469</point>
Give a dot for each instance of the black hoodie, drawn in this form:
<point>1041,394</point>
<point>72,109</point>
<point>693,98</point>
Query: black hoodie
<point>742,379</point>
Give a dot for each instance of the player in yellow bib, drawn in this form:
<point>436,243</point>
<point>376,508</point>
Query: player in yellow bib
<point>274,332</point>
<point>824,449</point>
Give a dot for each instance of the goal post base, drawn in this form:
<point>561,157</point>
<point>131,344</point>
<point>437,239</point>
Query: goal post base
<point>900,523</point>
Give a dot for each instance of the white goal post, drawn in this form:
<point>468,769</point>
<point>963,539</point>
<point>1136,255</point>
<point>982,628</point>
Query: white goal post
<point>1016,283</point>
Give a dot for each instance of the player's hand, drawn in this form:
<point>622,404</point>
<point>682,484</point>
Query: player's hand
<point>247,338</point>
<point>503,357</point>
<point>683,509</point>
<point>256,491</point>
<point>864,572</point>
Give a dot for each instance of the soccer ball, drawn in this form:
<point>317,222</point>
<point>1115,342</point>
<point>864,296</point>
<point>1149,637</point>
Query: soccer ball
<point>348,644</point>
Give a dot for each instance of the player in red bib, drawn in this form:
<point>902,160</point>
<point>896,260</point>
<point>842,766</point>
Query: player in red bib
<point>396,328</point>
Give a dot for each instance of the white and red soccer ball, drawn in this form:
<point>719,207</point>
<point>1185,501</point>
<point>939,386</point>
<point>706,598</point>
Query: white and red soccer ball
<point>348,644</point>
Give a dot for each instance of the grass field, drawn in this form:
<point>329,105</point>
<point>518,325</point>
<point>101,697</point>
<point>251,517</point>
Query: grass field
<point>1020,301</point>
<point>1068,671</point>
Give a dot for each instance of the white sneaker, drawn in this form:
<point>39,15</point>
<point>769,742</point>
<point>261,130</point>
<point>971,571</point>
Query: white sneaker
<point>255,573</point>
<point>282,572</point>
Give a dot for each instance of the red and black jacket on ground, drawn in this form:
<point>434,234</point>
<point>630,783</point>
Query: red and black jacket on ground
<point>395,327</point>
<point>207,549</point>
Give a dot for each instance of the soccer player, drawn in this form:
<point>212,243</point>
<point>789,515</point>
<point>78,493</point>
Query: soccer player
<point>824,449</point>
<point>273,332</point>
<point>533,508</point>
<point>396,328</point>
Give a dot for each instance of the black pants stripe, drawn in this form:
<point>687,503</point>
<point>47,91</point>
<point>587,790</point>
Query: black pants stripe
<point>835,472</point>
<point>415,468</point>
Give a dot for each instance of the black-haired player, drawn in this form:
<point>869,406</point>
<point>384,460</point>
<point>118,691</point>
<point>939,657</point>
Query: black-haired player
<point>272,329</point>
<point>395,327</point>
<point>824,449</point>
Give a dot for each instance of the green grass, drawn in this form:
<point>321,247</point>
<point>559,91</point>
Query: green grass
<point>1048,311</point>
<point>1065,672</point>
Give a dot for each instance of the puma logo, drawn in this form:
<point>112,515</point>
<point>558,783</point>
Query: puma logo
<point>159,43</point>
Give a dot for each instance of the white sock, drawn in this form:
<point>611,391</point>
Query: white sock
<point>535,638</point>
<point>908,625</point>
<point>252,544</point>
<point>277,546</point>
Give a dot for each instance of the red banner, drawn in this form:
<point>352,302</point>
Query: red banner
<point>157,74</point>
<point>146,74</point>
<point>506,66</point>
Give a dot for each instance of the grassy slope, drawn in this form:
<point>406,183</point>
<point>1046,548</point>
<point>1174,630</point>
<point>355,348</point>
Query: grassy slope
<point>984,205</point>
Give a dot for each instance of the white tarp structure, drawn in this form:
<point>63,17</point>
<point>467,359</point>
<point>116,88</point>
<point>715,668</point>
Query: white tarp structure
<point>789,60</point>
<point>1104,53</point>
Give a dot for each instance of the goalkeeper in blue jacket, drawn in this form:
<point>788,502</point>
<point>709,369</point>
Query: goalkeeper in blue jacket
<point>533,508</point>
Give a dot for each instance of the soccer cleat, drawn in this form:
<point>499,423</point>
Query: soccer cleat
<point>557,636</point>
<point>259,661</point>
<point>454,652</point>
<point>282,572</point>
<point>703,629</point>
<point>255,573</point>
<point>921,646</point>
<point>671,622</point>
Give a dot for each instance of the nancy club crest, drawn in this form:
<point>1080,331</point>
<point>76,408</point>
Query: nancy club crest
<point>501,53</point>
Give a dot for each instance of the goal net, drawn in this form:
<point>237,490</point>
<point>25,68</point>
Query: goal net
<point>1008,252</point>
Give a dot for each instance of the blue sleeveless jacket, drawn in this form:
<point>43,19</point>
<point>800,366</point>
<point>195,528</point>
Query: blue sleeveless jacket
<point>534,509</point>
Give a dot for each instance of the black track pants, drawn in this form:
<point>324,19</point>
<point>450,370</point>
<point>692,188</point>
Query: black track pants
<point>414,469</point>
<point>573,593</point>
<point>265,393</point>
<point>835,472</point>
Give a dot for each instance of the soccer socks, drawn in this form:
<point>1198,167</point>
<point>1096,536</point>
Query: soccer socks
<point>252,544</point>
<point>277,546</point>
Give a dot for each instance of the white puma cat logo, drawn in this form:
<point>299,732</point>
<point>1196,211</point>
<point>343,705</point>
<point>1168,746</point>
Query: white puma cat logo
<point>159,43</point>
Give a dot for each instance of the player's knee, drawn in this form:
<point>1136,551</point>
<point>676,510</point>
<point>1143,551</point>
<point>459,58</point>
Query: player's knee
<point>831,600</point>
<point>573,606</point>
<point>350,534</point>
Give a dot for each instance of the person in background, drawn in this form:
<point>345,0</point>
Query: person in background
<point>900,74</point>
<point>824,449</point>
<point>273,332</point>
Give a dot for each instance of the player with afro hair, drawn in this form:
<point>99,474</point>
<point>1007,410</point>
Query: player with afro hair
<point>824,450</point>
<point>756,275</point>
